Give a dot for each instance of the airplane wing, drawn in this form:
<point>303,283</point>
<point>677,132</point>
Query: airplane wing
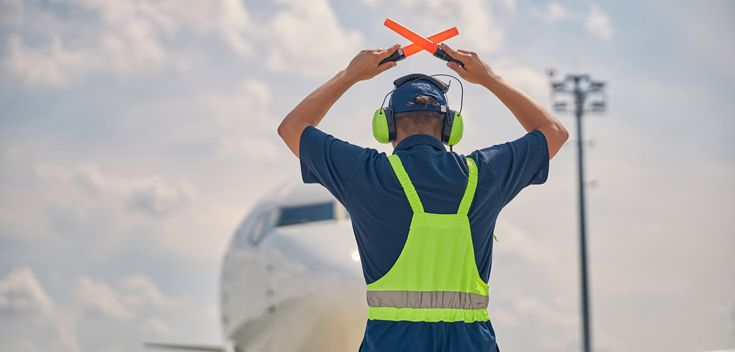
<point>170,346</point>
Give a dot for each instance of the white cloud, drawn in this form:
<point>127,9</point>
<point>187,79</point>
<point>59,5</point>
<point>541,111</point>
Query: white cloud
<point>12,12</point>
<point>130,36</point>
<point>113,349</point>
<point>154,196</point>
<point>526,79</point>
<point>154,326</point>
<point>149,195</point>
<point>136,28</point>
<point>139,290</point>
<point>599,24</point>
<point>31,321</point>
<point>527,307</point>
<point>551,13</point>
<point>245,123</point>
<point>476,22</point>
<point>21,293</point>
<point>97,299</point>
<point>596,22</point>
<point>710,32</point>
<point>309,40</point>
<point>45,66</point>
<point>195,230</point>
<point>12,154</point>
<point>529,277</point>
<point>235,22</point>
<point>522,312</point>
<point>241,123</point>
<point>510,5</point>
<point>29,318</point>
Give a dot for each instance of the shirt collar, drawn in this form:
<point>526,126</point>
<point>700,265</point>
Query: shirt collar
<point>421,140</point>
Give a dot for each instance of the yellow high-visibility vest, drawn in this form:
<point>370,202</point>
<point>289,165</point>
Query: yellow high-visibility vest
<point>435,277</point>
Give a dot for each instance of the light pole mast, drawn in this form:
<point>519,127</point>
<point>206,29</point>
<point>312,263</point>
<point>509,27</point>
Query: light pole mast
<point>579,86</point>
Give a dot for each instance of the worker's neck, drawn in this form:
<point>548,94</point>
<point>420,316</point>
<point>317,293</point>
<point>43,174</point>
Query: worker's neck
<point>400,135</point>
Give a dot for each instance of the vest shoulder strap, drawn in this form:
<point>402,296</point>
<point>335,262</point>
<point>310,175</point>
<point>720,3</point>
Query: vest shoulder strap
<point>413,197</point>
<point>469,193</point>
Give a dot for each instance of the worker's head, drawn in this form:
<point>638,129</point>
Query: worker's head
<point>420,121</point>
<point>418,104</point>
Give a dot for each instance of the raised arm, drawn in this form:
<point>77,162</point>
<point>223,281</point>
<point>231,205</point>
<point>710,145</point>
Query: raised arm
<point>532,115</point>
<point>312,109</point>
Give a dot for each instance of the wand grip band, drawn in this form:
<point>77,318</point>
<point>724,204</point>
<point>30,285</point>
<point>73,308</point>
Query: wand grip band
<point>441,54</point>
<point>398,55</point>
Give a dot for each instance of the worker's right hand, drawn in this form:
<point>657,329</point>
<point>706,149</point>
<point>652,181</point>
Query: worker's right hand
<point>364,66</point>
<point>475,69</point>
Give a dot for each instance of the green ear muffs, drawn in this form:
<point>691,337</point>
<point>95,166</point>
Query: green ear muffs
<point>453,128</point>
<point>384,127</point>
<point>457,129</point>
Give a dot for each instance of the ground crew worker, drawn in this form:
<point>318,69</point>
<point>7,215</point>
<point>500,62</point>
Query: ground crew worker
<point>423,217</point>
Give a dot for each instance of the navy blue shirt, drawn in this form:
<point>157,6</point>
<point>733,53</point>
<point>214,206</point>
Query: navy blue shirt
<point>363,180</point>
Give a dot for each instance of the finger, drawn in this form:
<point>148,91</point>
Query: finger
<point>463,51</point>
<point>449,50</point>
<point>390,51</point>
<point>456,68</point>
<point>386,66</point>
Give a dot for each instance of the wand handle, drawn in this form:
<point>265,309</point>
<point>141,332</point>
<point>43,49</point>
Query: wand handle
<point>441,54</point>
<point>398,55</point>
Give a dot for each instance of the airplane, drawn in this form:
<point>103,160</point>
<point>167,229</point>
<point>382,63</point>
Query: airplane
<point>291,277</point>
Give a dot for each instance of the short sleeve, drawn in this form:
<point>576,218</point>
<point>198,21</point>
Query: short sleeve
<point>517,164</point>
<point>330,162</point>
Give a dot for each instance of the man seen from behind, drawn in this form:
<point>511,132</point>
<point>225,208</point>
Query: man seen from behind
<point>424,217</point>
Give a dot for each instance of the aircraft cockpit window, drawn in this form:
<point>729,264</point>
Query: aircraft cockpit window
<point>306,213</point>
<point>261,225</point>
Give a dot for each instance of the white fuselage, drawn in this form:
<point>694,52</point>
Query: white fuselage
<point>291,278</point>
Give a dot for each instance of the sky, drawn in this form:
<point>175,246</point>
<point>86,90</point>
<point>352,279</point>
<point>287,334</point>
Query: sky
<point>135,135</point>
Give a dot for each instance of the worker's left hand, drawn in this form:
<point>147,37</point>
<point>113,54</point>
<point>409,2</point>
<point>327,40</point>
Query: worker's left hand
<point>365,65</point>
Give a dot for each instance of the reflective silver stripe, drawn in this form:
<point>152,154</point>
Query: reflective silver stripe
<point>427,299</point>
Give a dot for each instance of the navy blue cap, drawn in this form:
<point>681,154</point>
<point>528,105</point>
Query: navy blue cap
<point>402,98</point>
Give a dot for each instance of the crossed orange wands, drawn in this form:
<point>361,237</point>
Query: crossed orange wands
<point>420,43</point>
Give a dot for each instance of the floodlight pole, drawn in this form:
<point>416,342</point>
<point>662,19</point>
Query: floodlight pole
<point>579,98</point>
<point>580,86</point>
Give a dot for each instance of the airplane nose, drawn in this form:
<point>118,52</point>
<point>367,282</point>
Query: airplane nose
<point>292,278</point>
<point>328,246</point>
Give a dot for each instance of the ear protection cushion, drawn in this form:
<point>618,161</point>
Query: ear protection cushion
<point>447,126</point>
<point>384,128</point>
<point>457,129</point>
<point>453,128</point>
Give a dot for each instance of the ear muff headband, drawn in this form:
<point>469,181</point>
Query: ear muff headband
<point>420,76</point>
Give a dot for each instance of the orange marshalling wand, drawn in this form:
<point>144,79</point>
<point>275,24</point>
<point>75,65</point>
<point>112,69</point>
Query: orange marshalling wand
<point>410,35</point>
<point>418,40</point>
<point>436,38</point>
